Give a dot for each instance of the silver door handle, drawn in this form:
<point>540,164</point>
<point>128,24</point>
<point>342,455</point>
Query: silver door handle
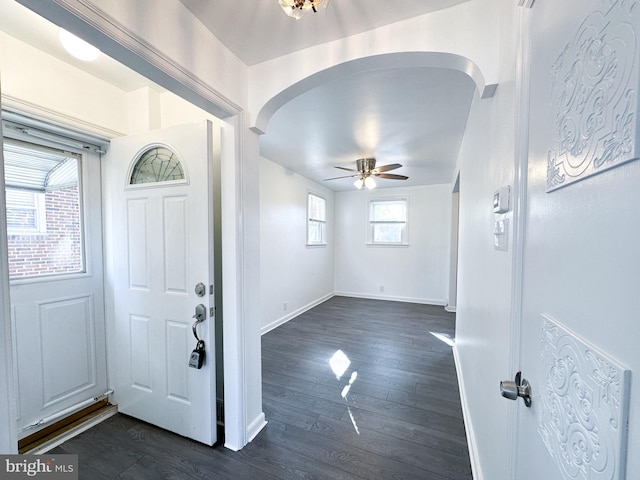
<point>200,316</point>
<point>518,388</point>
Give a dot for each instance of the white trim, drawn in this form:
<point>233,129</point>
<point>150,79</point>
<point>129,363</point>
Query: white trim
<point>8,387</point>
<point>519,196</point>
<point>449,308</point>
<point>37,113</point>
<point>426,301</point>
<point>323,241</point>
<point>387,245</point>
<point>294,314</point>
<point>232,273</point>
<point>256,426</point>
<point>380,198</point>
<point>476,471</point>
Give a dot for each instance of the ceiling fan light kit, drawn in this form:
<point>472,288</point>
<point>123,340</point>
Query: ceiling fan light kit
<point>299,8</point>
<point>366,171</point>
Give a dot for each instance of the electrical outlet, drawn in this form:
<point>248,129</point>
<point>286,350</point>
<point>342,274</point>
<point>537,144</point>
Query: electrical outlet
<point>284,306</point>
<point>382,288</point>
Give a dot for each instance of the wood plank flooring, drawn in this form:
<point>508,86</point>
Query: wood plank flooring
<point>394,413</point>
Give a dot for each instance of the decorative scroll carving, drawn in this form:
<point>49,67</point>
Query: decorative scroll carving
<point>582,407</point>
<point>594,96</point>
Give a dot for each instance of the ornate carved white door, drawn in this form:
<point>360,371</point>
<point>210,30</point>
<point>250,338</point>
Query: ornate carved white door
<point>159,217</point>
<point>579,302</point>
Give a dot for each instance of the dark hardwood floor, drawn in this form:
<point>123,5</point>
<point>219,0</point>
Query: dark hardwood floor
<point>393,413</point>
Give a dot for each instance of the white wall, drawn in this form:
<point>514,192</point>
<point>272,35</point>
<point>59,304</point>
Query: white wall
<point>290,271</point>
<point>418,272</point>
<point>37,83</point>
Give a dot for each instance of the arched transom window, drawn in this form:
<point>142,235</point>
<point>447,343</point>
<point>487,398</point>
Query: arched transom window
<point>157,164</point>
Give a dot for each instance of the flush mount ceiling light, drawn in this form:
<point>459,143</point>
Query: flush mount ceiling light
<point>299,8</point>
<point>78,47</point>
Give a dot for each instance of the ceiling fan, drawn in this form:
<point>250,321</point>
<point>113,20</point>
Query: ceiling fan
<point>366,170</point>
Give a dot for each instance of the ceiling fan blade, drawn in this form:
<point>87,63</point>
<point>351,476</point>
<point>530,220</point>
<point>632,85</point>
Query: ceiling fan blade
<point>347,169</point>
<point>391,176</point>
<point>346,176</point>
<point>386,168</point>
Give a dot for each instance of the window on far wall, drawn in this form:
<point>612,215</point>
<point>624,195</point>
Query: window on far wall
<point>316,220</point>
<point>388,221</point>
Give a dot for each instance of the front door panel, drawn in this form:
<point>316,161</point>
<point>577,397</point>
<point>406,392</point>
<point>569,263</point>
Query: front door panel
<point>161,252</point>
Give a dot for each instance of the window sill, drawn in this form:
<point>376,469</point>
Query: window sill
<point>316,245</point>
<point>400,245</point>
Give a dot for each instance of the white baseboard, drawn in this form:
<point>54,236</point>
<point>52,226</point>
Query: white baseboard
<point>425,301</point>
<point>301,310</point>
<point>449,308</point>
<point>476,472</point>
<point>256,427</point>
<point>294,314</point>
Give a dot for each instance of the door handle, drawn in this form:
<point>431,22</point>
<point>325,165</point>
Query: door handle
<point>518,388</point>
<point>200,316</point>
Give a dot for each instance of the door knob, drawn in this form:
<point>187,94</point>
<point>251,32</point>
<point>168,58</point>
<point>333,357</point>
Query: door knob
<point>518,388</point>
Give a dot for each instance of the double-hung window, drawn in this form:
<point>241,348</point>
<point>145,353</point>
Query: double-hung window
<point>388,221</point>
<point>316,220</point>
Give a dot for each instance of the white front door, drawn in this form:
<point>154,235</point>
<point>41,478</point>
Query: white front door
<point>161,244</point>
<point>55,261</point>
<point>581,257</point>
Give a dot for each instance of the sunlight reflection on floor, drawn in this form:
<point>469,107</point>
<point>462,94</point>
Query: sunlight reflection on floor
<point>339,363</point>
<point>444,337</point>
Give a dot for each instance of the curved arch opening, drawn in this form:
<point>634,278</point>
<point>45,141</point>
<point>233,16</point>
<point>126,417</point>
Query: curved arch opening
<point>375,62</point>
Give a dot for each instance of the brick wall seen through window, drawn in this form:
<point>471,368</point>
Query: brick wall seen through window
<point>57,251</point>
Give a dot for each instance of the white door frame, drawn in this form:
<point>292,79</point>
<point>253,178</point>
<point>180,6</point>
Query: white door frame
<point>519,195</point>
<point>454,244</point>
<point>8,389</point>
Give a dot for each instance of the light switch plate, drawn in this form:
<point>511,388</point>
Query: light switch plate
<point>501,234</point>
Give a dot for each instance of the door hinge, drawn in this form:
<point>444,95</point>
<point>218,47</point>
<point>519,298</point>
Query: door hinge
<point>212,311</point>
